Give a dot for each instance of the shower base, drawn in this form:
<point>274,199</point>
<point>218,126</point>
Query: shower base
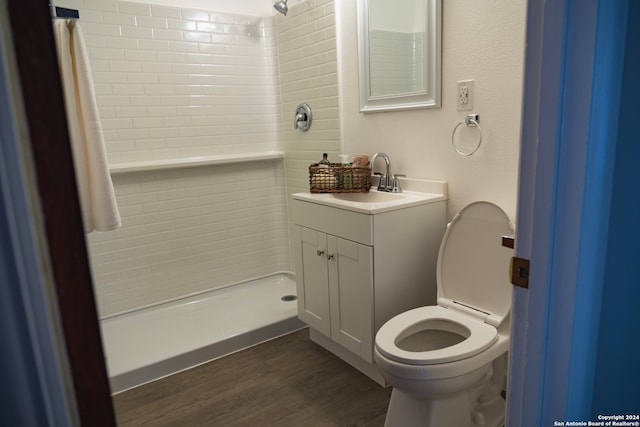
<point>151,343</point>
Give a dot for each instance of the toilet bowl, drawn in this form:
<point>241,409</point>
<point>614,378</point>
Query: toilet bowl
<point>447,363</point>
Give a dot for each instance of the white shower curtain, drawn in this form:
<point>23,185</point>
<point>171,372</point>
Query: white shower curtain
<point>95,188</point>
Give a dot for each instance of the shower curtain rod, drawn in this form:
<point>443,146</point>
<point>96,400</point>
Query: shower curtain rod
<point>64,13</point>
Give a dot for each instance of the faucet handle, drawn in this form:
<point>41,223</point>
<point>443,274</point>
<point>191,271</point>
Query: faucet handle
<point>396,182</point>
<point>382,184</point>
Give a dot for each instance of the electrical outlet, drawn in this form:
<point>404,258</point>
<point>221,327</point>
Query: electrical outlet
<point>465,95</point>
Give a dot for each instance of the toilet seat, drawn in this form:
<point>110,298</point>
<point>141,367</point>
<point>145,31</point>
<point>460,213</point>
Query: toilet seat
<point>472,269</point>
<point>477,335</point>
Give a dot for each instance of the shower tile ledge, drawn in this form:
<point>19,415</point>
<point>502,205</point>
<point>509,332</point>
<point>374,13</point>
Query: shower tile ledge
<point>151,165</point>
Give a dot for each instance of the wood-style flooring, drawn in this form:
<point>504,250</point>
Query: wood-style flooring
<point>289,381</point>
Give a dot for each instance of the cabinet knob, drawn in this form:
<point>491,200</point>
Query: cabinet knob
<point>330,257</point>
<point>320,252</point>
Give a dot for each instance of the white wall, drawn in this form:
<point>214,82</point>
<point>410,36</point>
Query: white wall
<point>482,40</point>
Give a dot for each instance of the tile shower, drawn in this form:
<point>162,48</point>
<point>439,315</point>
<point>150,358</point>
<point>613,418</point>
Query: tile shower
<point>195,109</point>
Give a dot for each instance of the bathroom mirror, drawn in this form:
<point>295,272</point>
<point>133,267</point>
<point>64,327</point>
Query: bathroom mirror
<point>399,49</point>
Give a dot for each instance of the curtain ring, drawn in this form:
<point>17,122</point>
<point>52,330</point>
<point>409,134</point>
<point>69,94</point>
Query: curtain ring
<point>470,120</point>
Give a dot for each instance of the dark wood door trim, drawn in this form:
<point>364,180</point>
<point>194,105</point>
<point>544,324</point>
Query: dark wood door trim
<point>31,29</point>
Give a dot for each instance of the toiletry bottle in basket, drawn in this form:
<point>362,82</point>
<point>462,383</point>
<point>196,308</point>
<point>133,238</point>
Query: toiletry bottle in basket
<point>325,161</point>
<point>345,181</point>
<point>324,180</point>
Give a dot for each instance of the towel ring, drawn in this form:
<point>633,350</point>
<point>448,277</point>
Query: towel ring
<point>470,120</point>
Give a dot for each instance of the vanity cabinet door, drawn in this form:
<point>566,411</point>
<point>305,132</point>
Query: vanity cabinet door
<point>351,295</point>
<point>312,279</point>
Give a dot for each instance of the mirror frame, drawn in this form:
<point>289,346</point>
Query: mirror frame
<point>430,96</point>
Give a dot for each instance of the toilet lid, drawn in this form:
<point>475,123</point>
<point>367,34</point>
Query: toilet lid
<point>473,266</point>
<point>474,335</point>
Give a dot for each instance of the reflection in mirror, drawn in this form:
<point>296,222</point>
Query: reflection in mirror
<point>399,49</point>
<point>396,46</point>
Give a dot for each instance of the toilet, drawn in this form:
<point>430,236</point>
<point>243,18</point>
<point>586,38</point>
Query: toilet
<point>447,363</point>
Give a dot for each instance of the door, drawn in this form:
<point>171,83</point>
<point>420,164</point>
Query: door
<point>573,83</point>
<point>312,279</point>
<point>42,166</point>
<point>351,291</point>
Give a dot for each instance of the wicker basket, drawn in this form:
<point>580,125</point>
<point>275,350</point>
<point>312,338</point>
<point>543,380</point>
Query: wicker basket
<point>339,179</point>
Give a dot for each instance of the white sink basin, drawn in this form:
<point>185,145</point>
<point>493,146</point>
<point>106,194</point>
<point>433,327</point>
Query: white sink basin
<point>372,202</point>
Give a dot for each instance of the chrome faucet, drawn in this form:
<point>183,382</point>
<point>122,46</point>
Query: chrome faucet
<point>385,180</point>
<point>386,183</point>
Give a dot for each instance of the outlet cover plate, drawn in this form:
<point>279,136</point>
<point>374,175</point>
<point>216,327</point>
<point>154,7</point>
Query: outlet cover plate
<point>465,95</point>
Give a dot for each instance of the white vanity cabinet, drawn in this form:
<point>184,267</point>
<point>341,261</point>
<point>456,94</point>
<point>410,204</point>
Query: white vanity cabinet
<point>337,282</point>
<point>356,270</point>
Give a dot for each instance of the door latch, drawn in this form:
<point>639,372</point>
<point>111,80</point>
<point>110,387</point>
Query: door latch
<point>519,269</point>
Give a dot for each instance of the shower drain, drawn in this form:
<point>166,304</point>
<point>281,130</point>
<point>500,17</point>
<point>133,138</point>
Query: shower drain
<point>289,298</point>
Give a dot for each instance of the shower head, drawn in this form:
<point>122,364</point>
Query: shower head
<point>281,6</point>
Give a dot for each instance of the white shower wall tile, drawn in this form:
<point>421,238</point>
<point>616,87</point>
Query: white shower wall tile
<point>166,12</point>
<point>171,83</point>
<point>308,73</point>
<point>132,8</point>
<point>165,49</point>
<point>190,230</point>
<point>174,82</point>
<point>306,45</point>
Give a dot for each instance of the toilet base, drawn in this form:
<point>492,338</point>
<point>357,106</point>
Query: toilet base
<point>455,411</point>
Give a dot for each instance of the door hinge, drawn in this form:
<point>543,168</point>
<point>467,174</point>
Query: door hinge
<point>519,269</point>
<point>509,241</point>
